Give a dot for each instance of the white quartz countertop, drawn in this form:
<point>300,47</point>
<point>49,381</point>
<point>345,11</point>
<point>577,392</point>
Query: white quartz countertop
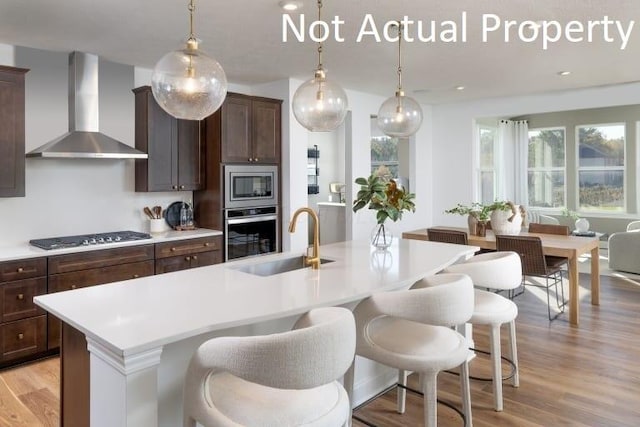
<point>25,250</point>
<point>149,312</point>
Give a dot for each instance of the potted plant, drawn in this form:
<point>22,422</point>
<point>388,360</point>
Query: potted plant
<point>480,215</point>
<point>382,195</point>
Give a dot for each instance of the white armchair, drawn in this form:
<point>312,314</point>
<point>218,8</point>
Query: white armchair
<point>624,249</point>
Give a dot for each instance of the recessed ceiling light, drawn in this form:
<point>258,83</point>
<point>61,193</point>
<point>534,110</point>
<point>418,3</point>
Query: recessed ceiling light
<point>459,88</point>
<point>290,5</point>
<point>564,73</point>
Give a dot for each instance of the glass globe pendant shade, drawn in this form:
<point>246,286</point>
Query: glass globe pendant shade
<point>188,84</point>
<point>320,105</point>
<point>399,116</point>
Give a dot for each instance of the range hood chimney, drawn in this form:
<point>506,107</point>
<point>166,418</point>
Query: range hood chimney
<point>84,140</point>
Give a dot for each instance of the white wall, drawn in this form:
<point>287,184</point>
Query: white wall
<point>74,196</point>
<point>454,134</point>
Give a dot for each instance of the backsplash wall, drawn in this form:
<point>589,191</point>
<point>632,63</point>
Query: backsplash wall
<point>74,196</point>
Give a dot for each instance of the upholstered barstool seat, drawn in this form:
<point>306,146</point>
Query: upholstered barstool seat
<point>324,405</point>
<point>418,348</point>
<point>491,307</point>
<point>284,379</point>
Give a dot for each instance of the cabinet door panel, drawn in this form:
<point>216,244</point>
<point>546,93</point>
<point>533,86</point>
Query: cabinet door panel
<point>190,156</point>
<point>16,299</point>
<point>163,152</point>
<point>266,131</point>
<point>99,276</point>
<point>187,247</point>
<point>23,338</point>
<point>206,258</point>
<point>236,130</point>
<point>99,258</point>
<point>22,269</point>
<point>12,132</point>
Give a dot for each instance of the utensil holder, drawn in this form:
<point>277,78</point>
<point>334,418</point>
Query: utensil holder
<point>157,225</point>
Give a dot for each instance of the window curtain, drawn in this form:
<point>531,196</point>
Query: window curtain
<point>512,161</point>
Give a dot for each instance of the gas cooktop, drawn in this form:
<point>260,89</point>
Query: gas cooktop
<point>88,239</point>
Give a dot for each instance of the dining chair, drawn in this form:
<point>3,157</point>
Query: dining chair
<point>497,271</point>
<point>556,229</point>
<point>283,379</point>
<point>411,330</point>
<point>561,230</point>
<point>535,264</point>
<point>447,236</point>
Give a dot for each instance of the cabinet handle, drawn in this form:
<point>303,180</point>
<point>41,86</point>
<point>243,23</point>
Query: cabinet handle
<point>250,159</point>
<point>73,286</point>
<point>20,336</point>
<point>195,257</point>
<point>207,244</point>
<point>20,269</point>
<point>175,187</point>
<point>135,276</point>
<point>173,249</point>
<point>182,187</point>
<point>20,297</point>
<point>255,160</point>
<point>187,258</point>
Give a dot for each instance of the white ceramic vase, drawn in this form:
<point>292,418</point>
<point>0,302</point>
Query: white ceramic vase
<point>500,223</point>
<point>582,225</point>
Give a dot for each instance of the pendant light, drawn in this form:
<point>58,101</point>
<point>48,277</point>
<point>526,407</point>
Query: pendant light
<point>187,83</point>
<point>400,115</point>
<point>319,104</point>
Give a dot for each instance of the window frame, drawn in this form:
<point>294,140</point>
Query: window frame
<point>578,169</point>
<point>551,210</point>
<point>479,169</point>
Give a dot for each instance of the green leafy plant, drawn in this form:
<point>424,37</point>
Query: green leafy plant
<point>383,196</point>
<point>479,211</point>
<point>571,214</point>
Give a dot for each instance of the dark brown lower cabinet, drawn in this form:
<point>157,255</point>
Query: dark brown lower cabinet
<point>184,254</point>
<point>27,331</point>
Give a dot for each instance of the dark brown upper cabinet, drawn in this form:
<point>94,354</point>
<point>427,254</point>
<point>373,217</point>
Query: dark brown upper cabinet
<point>12,151</point>
<point>175,148</point>
<point>250,129</point>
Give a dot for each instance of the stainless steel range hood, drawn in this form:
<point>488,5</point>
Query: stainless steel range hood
<point>84,139</point>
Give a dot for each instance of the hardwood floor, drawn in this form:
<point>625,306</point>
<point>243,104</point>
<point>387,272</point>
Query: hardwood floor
<point>586,376</point>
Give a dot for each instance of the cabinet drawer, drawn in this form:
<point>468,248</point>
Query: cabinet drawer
<point>23,338</point>
<point>191,246</point>
<point>183,262</point>
<point>99,276</point>
<point>16,299</point>
<point>99,258</point>
<point>22,269</point>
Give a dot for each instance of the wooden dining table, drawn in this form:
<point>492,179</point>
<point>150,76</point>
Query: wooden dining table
<point>570,247</point>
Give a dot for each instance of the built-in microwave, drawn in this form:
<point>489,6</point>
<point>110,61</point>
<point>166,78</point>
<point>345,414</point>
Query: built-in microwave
<point>250,185</point>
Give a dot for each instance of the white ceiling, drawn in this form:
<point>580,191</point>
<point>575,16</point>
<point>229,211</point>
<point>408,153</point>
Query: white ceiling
<point>245,36</point>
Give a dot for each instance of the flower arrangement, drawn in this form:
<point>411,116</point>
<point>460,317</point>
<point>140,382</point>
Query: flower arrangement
<point>482,213</point>
<point>383,196</point>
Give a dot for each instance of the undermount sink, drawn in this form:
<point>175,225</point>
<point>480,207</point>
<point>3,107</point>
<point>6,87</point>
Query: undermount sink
<point>270,268</point>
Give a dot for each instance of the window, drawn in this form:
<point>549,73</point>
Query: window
<point>486,171</point>
<point>601,167</point>
<point>546,169</point>
<point>384,152</point>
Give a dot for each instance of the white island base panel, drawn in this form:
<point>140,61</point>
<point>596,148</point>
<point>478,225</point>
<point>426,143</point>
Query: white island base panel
<point>142,333</point>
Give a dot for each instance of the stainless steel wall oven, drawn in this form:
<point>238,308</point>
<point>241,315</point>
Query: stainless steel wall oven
<point>251,231</point>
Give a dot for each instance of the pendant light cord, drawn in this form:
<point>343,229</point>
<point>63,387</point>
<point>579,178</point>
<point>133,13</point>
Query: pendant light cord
<point>399,57</point>
<point>318,36</point>
<point>192,8</point>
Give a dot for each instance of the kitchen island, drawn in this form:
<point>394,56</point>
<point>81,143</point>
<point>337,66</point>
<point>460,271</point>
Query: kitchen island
<point>141,334</point>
